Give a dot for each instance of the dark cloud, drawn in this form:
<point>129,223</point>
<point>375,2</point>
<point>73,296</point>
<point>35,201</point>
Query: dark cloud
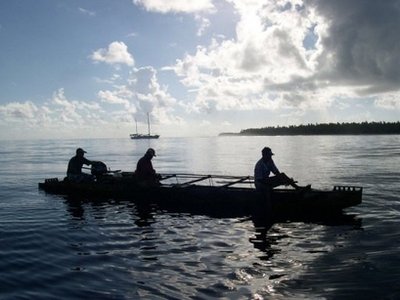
<point>362,46</point>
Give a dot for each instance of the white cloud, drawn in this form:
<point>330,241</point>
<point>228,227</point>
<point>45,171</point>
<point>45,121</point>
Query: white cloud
<point>116,54</point>
<point>77,113</point>
<point>241,73</point>
<point>204,23</point>
<point>86,12</point>
<point>148,96</point>
<point>176,6</point>
<point>120,96</point>
<point>296,54</point>
<point>132,34</point>
<point>140,94</point>
<point>389,101</point>
<point>61,116</point>
<point>288,56</point>
<point>18,111</point>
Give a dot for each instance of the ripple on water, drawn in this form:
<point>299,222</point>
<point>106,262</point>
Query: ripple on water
<point>56,248</point>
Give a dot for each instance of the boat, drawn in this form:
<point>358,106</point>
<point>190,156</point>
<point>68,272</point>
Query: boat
<point>138,136</point>
<point>210,194</point>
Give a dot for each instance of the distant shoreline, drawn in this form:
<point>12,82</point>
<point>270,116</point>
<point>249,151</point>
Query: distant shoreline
<point>364,128</point>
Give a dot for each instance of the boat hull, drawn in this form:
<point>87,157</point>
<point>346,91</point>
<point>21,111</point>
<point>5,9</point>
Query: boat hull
<point>144,136</point>
<point>214,199</point>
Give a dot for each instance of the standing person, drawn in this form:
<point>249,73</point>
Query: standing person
<point>145,172</point>
<point>74,171</point>
<point>264,167</point>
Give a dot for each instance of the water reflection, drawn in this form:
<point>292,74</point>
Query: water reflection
<point>142,213</point>
<point>75,208</point>
<point>143,239</point>
<point>267,236</point>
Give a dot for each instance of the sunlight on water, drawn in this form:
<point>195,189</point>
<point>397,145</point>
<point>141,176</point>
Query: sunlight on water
<point>111,249</point>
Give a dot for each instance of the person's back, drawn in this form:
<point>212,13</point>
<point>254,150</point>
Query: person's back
<point>144,168</point>
<point>145,172</point>
<point>263,168</point>
<point>75,165</point>
<point>74,170</point>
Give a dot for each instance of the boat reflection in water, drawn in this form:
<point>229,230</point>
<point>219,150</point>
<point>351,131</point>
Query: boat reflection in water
<point>270,231</point>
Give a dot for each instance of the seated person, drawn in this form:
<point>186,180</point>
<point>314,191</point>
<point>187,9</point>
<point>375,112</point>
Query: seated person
<point>262,171</point>
<point>145,172</point>
<point>74,171</point>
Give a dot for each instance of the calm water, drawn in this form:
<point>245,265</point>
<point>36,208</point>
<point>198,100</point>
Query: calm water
<point>54,248</point>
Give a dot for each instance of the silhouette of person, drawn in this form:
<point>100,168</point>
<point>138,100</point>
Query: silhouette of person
<point>74,171</point>
<point>264,167</point>
<point>145,173</point>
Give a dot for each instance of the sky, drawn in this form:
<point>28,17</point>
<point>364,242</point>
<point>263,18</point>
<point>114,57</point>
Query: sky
<point>96,68</point>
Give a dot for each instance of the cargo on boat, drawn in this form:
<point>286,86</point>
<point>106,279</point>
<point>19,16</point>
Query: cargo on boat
<point>210,194</point>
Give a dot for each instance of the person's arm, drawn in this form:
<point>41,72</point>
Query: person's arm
<point>86,161</point>
<point>274,169</point>
<point>150,169</point>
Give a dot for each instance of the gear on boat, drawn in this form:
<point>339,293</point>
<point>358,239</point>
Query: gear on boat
<point>98,168</point>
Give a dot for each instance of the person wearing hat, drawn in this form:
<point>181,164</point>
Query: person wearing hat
<point>264,167</point>
<point>145,172</point>
<point>74,171</point>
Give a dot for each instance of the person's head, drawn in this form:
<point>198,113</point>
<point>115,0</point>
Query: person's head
<point>80,152</point>
<point>150,153</point>
<point>267,153</point>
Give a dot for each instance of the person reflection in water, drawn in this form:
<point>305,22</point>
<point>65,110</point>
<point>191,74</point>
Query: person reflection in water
<point>145,173</point>
<point>264,167</point>
<point>74,171</point>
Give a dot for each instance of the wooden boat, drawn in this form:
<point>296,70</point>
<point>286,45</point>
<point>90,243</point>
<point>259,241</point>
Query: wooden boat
<point>211,194</point>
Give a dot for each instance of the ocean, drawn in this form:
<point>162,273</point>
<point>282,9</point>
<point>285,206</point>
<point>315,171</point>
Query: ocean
<point>54,248</point>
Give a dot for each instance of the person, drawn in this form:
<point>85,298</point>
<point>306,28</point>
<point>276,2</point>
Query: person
<point>264,167</point>
<point>74,171</point>
<point>145,172</point>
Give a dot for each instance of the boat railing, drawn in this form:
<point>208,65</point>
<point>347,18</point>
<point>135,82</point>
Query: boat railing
<point>347,188</point>
<point>51,180</point>
<point>186,179</point>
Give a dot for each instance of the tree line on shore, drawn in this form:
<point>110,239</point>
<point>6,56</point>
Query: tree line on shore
<point>325,129</point>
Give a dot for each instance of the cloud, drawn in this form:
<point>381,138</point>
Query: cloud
<point>360,43</point>
<point>388,101</point>
<point>116,54</point>
<point>176,6</point>
<point>86,12</point>
<point>116,97</point>
<point>235,73</point>
<point>132,34</point>
<point>18,111</point>
<point>296,54</point>
<point>138,95</point>
<point>141,94</point>
<point>77,113</point>
<point>61,117</point>
<point>204,23</point>
<point>148,96</point>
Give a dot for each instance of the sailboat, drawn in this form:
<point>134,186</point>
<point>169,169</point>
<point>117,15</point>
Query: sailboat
<point>138,136</point>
